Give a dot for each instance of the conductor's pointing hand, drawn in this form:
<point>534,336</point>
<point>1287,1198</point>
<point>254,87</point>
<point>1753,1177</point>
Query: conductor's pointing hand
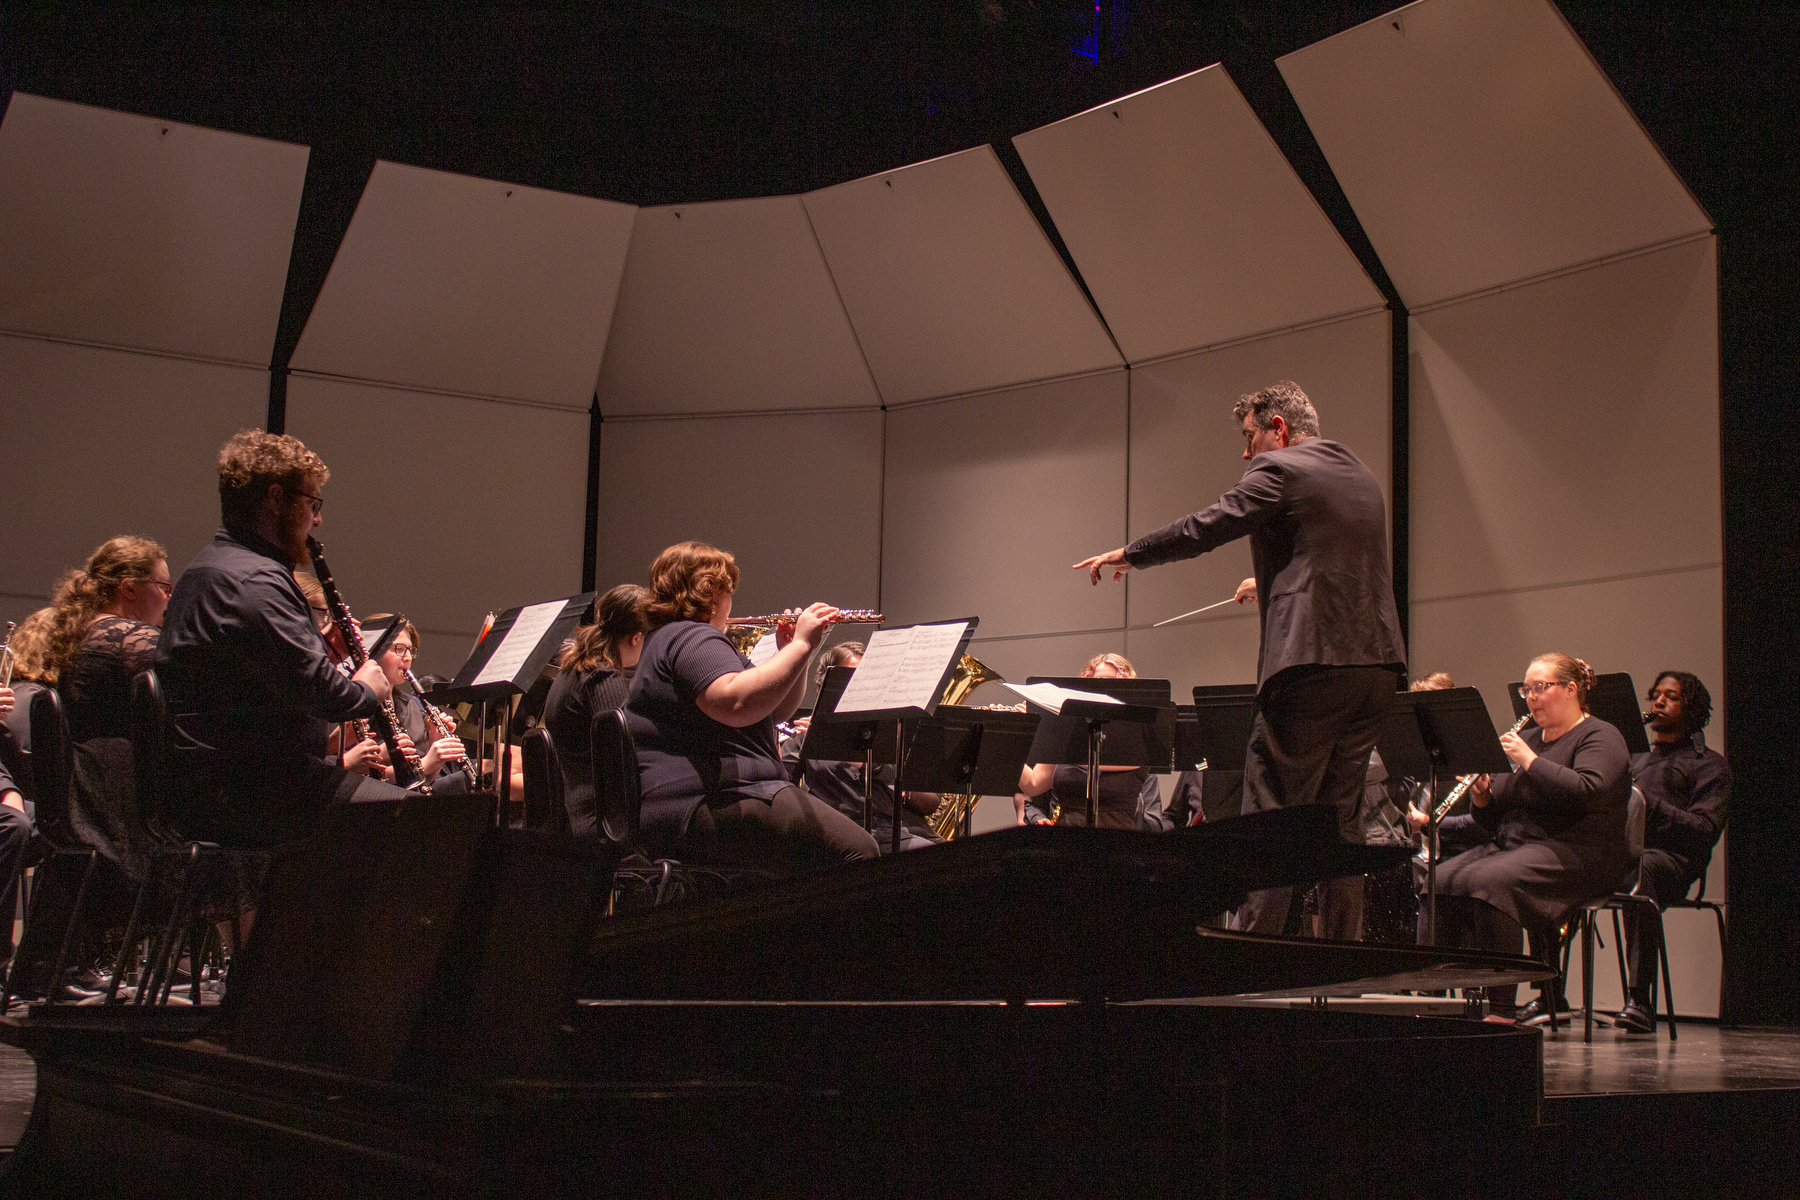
<point>1112,558</point>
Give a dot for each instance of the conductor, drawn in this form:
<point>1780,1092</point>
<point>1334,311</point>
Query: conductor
<point>1331,646</point>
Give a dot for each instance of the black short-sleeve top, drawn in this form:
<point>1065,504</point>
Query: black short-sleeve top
<point>685,757</point>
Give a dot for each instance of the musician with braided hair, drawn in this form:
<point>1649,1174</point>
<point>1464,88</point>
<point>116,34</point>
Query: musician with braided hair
<point>1554,829</point>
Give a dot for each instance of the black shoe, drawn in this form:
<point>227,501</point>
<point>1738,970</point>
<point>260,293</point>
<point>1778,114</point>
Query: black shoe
<point>1538,1013</point>
<point>1636,1019</point>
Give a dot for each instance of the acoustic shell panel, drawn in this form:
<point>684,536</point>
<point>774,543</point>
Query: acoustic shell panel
<point>1480,144</point>
<point>1569,430</point>
<point>1187,223</point>
<point>468,286</point>
<point>950,282</point>
<point>796,499</point>
<point>1187,448</point>
<point>103,442</point>
<point>730,306</point>
<point>403,534</point>
<point>989,499</point>
<point>123,230</point>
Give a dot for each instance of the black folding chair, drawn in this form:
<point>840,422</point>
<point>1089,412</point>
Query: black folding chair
<point>544,804</point>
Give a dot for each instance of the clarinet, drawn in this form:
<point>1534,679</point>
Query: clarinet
<point>386,722</point>
<point>438,720</point>
<point>1456,793</point>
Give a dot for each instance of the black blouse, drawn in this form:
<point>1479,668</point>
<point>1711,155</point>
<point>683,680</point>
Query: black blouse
<point>96,692</point>
<point>575,699</point>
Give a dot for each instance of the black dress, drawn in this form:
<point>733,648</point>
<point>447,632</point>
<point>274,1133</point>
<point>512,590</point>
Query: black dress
<point>1120,793</point>
<point>575,699</point>
<point>1556,831</point>
<point>96,695</point>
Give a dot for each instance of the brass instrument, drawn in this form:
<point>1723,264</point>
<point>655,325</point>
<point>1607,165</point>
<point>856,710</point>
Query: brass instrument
<point>1456,793</point>
<point>948,818</point>
<point>385,722</point>
<point>437,719</point>
<point>6,655</point>
<point>745,632</point>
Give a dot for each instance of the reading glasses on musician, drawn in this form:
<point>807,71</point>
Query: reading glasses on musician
<point>316,502</point>
<point>1528,690</point>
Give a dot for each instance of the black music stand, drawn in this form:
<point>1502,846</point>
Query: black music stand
<point>1078,735</point>
<point>504,664</point>
<point>829,740</point>
<point>977,751</point>
<point>1614,699</point>
<point>1446,732</point>
<point>1224,715</point>
<point>919,683</point>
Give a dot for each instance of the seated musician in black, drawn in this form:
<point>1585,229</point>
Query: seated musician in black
<point>444,762</point>
<point>840,784</point>
<point>1687,789</point>
<point>1555,827</point>
<point>103,633</point>
<point>703,720</point>
<point>595,671</point>
<point>1126,793</point>
<point>15,826</point>
<point>250,686</point>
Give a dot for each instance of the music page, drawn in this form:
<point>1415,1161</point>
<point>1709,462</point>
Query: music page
<point>902,668</point>
<point>1048,695</point>
<point>510,655</point>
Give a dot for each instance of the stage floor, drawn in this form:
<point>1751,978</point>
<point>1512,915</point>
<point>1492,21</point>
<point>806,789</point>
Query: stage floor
<point>1706,1058</point>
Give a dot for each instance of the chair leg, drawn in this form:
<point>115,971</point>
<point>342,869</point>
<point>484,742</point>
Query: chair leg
<point>1587,976</point>
<point>1619,952</point>
<point>1662,952</point>
<point>129,945</point>
<point>62,952</point>
<point>1719,916</point>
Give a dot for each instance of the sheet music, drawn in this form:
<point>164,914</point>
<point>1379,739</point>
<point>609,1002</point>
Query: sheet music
<point>510,655</point>
<point>902,668</point>
<point>764,649</point>
<point>1052,697</point>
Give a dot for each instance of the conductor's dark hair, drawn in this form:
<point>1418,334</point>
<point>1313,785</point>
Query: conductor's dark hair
<point>1284,400</point>
<point>1696,701</point>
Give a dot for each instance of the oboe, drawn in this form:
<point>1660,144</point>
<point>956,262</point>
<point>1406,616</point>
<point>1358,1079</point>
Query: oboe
<point>1456,793</point>
<point>408,772</point>
<point>441,722</point>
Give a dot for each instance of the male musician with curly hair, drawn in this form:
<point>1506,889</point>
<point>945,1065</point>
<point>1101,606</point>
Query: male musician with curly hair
<point>1331,644</point>
<point>1686,789</point>
<point>249,682</point>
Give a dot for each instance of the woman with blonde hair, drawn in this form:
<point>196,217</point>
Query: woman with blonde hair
<point>596,669</point>
<point>107,622</point>
<point>1126,793</point>
<point>1554,829</point>
<point>703,719</point>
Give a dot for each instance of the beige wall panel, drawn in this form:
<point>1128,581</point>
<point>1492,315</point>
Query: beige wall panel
<point>104,442</point>
<point>399,541</point>
<point>797,499</point>
<point>1641,625</point>
<point>1568,430</point>
<point>1480,144</point>
<point>1017,659</point>
<point>455,284</point>
<point>730,306</point>
<point>991,498</point>
<point>1186,449</point>
<point>1217,648</point>
<point>129,231</point>
<point>1187,223</point>
<point>950,282</point>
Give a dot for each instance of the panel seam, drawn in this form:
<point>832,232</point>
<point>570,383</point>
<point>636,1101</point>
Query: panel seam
<point>1655,573</point>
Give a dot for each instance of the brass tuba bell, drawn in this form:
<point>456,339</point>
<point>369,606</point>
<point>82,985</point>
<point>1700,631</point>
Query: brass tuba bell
<point>953,807</point>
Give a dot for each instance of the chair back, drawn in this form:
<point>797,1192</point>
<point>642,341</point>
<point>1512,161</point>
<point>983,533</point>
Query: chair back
<point>1634,825</point>
<point>150,751</point>
<point>544,807</point>
<point>616,795</point>
<point>52,767</point>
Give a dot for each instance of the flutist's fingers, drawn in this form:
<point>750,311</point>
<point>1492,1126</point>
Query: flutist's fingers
<point>809,626</point>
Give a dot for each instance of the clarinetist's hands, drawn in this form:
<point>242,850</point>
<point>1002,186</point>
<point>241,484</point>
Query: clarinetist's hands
<point>1416,817</point>
<point>1246,591</point>
<point>446,750</point>
<point>372,674</point>
<point>1516,749</point>
<point>363,758</point>
<point>1112,558</point>
<point>809,627</point>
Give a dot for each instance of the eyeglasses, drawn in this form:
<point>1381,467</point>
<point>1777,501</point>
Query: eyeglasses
<point>402,651</point>
<point>168,589</point>
<point>318,502</point>
<point>1528,690</point>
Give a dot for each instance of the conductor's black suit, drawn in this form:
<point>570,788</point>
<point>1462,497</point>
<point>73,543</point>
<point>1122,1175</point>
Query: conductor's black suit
<point>1330,635</point>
